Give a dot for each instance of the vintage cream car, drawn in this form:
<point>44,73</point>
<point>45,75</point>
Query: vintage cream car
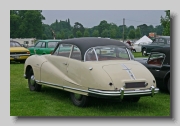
<point>85,72</point>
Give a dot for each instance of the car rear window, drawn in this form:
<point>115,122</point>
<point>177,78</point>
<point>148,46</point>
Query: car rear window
<point>102,53</point>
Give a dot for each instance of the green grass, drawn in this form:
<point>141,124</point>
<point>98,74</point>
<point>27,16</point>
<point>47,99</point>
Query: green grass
<point>138,54</point>
<point>54,102</point>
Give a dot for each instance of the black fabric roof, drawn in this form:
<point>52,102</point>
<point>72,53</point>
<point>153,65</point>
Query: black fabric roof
<point>166,51</point>
<point>85,43</point>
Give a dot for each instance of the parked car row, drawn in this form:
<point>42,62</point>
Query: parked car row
<point>20,53</point>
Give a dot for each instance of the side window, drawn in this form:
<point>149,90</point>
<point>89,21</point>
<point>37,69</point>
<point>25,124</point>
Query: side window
<point>52,44</point>
<point>156,59</point>
<point>63,50</point>
<point>43,45</point>
<point>90,55</point>
<point>76,53</point>
<point>38,45</point>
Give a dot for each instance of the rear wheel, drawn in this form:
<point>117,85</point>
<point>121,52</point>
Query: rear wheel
<point>168,85</point>
<point>79,100</point>
<point>33,86</point>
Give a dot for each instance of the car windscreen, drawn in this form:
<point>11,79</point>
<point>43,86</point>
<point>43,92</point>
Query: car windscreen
<point>102,53</point>
<point>14,44</point>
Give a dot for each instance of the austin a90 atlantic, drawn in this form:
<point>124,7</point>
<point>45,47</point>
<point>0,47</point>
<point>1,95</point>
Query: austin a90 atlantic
<point>91,67</point>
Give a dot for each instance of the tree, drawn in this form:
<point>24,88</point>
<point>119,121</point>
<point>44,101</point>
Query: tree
<point>131,34</point>
<point>86,33</point>
<point>71,36</point>
<point>165,22</point>
<point>78,27</point>
<point>159,29</point>
<point>26,23</point>
<point>143,29</point>
<point>62,35</point>
<point>102,26</point>
<point>105,33</point>
<point>95,33</point>
<point>113,33</point>
<point>78,34</point>
<point>137,33</point>
<point>15,22</point>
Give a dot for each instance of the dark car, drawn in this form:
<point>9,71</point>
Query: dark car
<point>159,42</point>
<point>159,65</point>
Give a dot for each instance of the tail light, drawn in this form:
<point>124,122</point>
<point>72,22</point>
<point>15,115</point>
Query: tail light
<point>28,52</point>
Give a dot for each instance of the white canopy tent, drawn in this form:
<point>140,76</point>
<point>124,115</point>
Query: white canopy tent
<point>144,40</point>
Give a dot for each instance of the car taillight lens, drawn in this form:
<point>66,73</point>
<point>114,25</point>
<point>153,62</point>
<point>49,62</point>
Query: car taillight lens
<point>28,52</point>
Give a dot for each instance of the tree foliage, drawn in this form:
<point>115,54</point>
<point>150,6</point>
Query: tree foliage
<point>26,24</point>
<point>131,34</point>
<point>165,22</point>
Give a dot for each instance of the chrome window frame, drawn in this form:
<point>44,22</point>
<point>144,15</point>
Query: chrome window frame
<point>156,53</point>
<point>102,46</point>
<point>72,48</point>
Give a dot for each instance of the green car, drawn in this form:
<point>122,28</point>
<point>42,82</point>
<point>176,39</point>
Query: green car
<point>160,42</point>
<point>43,47</point>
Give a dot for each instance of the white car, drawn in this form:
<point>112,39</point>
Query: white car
<point>137,47</point>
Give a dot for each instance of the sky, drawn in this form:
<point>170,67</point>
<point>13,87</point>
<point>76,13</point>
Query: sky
<point>90,18</point>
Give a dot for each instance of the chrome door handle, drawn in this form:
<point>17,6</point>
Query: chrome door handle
<point>156,70</point>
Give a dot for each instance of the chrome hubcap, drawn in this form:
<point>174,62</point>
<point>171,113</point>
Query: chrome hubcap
<point>32,80</point>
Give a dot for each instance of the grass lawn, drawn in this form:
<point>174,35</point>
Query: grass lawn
<point>138,54</point>
<point>54,102</point>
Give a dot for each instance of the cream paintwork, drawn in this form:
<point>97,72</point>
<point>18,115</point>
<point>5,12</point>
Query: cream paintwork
<point>76,74</point>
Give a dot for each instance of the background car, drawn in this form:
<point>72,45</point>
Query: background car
<point>160,42</point>
<point>86,72</point>
<point>158,63</point>
<point>43,47</point>
<point>17,52</point>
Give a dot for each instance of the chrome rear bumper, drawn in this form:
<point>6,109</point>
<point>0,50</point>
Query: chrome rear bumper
<point>121,93</point>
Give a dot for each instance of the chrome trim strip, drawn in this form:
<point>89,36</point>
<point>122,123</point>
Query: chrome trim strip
<point>85,54</point>
<point>19,54</point>
<point>95,54</point>
<point>151,91</point>
<point>128,71</point>
<point>128,54</point>
<point>47,83</point>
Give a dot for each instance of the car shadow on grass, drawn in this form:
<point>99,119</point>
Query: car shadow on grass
<point>100,103</point>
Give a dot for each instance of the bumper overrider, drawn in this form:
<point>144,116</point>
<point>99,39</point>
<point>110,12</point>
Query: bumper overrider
<point>126,93</point>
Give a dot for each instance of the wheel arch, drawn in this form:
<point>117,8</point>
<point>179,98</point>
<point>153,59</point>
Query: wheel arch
<point>166,77</point>
<point>27,70</point>
<point>143,49</point>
